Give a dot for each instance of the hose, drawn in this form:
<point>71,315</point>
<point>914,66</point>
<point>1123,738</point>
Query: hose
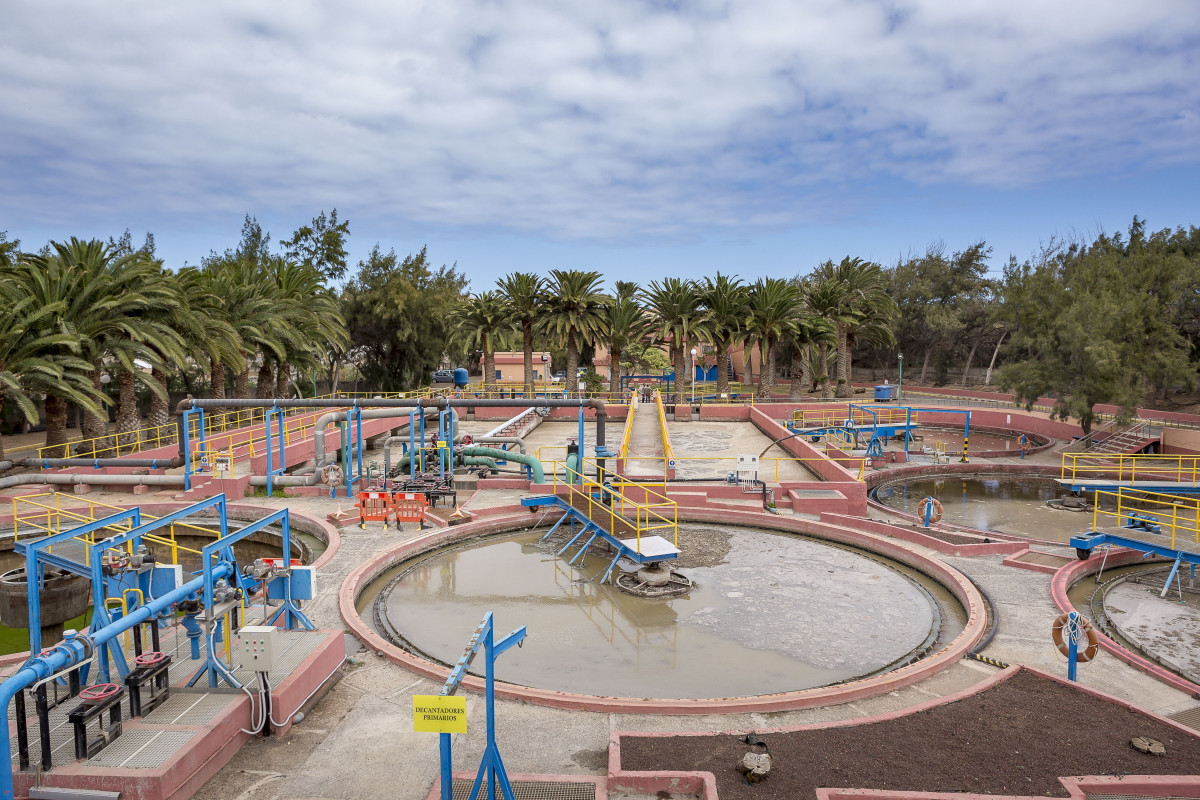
<point>975,652</point>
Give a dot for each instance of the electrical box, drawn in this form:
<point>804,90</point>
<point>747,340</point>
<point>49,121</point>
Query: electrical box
<point>255,648</point>
<point>304,584</point>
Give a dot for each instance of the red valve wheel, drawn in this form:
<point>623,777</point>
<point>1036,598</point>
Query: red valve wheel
<point>99,693</point>
<point>150,659</point>
<point>468,439</point>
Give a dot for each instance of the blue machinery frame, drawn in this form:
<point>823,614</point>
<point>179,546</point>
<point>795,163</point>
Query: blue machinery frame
<point>351,445</point>
<point>103,633</point>
<point>491,764</point>
<point>880,432</point>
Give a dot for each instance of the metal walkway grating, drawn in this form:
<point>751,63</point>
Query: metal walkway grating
<point>141,749</point>
<point>1189,717</point>
<point>190,708</point>
<point>530,790</point>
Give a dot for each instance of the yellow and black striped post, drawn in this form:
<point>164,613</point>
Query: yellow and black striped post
<point>966,440</point>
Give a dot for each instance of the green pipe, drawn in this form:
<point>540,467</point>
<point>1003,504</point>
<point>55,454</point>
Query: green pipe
<point>539,475</point>
<point>480,461</point>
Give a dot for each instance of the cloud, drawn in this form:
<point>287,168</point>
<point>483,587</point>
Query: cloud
<point>578,120</point>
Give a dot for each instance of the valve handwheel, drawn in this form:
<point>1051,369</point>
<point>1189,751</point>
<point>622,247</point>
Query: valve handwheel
<point>150,659</point>
<point>468,439</point>
<point>99,693</point>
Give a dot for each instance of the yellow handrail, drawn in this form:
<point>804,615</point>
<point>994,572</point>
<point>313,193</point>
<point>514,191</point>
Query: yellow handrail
<point>623,450</point>
<point>1126,467</point>
<point>1181,515</point>
<point>836,417</point>
<point>668,455</point>
<point>609,504</point>
<point>55,516</point>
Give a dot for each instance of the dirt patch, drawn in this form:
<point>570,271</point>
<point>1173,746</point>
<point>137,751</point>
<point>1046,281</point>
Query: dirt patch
<point>951,538</point>
<point>1015,738</point>
<point>702,547</point>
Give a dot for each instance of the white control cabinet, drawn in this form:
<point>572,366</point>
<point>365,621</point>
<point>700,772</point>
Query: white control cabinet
<point>255,649</point>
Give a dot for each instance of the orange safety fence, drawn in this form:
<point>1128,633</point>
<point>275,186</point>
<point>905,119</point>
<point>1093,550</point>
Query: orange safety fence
<point>409,507</point>
<point>374,507</point>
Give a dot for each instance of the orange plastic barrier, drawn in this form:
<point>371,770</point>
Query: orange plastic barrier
<point>374,507</point>
<point>409,507</point>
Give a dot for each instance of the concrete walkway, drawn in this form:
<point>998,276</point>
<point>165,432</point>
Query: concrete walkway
<point>645,444</point>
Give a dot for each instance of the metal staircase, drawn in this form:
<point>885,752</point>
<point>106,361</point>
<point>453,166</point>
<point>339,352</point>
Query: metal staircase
<point>1117,438</point>
<point>630,526</point>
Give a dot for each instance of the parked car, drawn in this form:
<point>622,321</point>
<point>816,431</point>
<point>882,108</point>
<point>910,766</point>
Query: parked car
<point>443,376</point>
<point>559,376</point>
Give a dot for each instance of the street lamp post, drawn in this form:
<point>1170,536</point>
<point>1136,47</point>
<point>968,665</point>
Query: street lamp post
<point>900,382</point>
<point>693,376</point>
<point>546,372</point>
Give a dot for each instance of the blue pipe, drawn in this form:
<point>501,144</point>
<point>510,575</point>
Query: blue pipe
<point>73,650</point>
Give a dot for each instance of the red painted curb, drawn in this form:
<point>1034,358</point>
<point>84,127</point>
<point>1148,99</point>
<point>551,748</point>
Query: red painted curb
<point>1070,574</point>
<point>957,583</point>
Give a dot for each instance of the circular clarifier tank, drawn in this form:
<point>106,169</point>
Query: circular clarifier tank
<point>769,612</point>
<point>1015,505</point>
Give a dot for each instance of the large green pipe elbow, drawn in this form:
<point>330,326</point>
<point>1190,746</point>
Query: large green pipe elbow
<point>481,461</point>
<point>539,475</point>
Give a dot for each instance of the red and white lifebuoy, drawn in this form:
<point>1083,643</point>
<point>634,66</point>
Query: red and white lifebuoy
<point>1082,654</point>
<point>936,513</point>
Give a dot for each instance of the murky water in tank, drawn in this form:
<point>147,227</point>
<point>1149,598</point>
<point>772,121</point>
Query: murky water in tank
<point>1006,505</point>
<point>777,613</point>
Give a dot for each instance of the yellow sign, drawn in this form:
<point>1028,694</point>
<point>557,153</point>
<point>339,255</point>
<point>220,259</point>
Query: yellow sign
<point>436,714</point>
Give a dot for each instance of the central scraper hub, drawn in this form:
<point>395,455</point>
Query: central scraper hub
<point>655,580</point>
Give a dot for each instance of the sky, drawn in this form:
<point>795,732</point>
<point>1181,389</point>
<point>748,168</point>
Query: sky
<point>640,139</point>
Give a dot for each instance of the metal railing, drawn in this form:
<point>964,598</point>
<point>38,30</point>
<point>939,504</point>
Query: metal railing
<point>1126,467</point>
<point>1179,515</point>
<point>44,515</point>
<point>116,444</point>
<point>836,417</point>
<point>615,511</point>
<point>668,456</point>
<point>113,445</point>
<point>623,450</point>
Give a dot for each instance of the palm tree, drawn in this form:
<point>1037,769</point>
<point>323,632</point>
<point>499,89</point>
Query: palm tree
<point>674,306</point>
<point>822,299</point>
<point>805,331</point>
<point>863,310</point>
<point>574,314</point>
<point>726,313</point>
<point>624,324</point>
<point>523,293</point>
<point>160,319</point>
<point>484,319</point>
<point>103,297</point>
<point>206,336</point>
<point>773,305</point>
<point>316,319</point>
<point>248,297</point>
<point>37,353</point>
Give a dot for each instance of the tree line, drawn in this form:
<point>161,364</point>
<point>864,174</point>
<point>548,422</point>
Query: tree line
<point>92,323</point>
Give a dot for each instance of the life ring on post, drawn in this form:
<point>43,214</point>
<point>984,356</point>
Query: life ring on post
<point>936,513</point>
<point>1082,654</point>
<point>1025,446</point>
